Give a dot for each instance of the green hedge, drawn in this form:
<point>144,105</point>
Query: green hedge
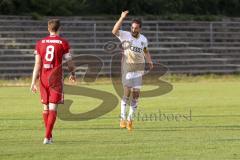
<point>114,7</point>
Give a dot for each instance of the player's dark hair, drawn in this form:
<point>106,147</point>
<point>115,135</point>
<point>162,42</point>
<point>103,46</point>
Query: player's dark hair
<point>137,21</point>
<point>54,25</point>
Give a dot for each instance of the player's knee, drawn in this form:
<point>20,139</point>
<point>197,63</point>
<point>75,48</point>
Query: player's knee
<point>127,92</point>
<point>136,94</point>
<point>134,103</point>
<point>52,106</point>
<point>125,99</point>
<point>45,107</point>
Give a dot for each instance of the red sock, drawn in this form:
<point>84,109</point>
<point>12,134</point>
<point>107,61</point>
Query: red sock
<point>45,117</point>
<point>50,123</point>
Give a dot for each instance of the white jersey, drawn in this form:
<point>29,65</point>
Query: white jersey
<point>134,51</point>
<point>133,60</point>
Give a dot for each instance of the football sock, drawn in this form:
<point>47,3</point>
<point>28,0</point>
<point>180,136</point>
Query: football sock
<point>50,123</point>
<point>132,110</point>
<point>45,117</point>
<point>123,107</point>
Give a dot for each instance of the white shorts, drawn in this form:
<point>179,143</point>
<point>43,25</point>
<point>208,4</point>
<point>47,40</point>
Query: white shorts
<point>133,79</point>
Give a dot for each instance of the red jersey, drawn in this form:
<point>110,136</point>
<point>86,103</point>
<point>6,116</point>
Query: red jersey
<point>51,50</point>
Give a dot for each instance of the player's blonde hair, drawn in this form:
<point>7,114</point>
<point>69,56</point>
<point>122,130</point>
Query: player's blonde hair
<point>53,25</point>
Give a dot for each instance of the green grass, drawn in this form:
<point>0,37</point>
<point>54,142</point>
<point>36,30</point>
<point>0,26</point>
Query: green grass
<point>213,133</point>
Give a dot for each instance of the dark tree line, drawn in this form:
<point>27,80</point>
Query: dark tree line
<point>114,7</point>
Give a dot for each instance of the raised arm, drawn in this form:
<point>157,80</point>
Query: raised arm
<point>118,24</point>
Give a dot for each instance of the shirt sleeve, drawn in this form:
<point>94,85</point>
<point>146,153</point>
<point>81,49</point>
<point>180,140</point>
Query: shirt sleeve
<point>146,43</point>
<point>123,35</point>
<point>66,47</point>
<point>37,51</point>
<point>66,54</point>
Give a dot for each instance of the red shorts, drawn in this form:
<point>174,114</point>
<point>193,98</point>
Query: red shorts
<point>52,93</point>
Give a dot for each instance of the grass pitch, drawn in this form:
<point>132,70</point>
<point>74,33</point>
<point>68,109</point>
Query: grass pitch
<point>213,132</point>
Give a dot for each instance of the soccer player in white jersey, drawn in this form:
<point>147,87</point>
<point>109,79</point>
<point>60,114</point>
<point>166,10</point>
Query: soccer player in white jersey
<point>132,66</point>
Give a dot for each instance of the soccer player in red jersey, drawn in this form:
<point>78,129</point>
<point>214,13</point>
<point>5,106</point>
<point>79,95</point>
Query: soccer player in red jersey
<point>49,53</point>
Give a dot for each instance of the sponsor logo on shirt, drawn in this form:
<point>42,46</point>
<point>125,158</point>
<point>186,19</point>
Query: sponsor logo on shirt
<point>136,49</point>
<point>52,41</point>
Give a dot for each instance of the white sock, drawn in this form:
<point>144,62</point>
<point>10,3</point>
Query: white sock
<point>123,108</point>
<point>132,110</point>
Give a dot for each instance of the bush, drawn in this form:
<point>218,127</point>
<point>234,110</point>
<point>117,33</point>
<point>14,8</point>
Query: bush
<point>114,7</point>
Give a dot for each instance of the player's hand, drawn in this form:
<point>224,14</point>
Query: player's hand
<point>72,78</point>
<point>150,65</point>
<point>33,88</point>
<point>124,14</point>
